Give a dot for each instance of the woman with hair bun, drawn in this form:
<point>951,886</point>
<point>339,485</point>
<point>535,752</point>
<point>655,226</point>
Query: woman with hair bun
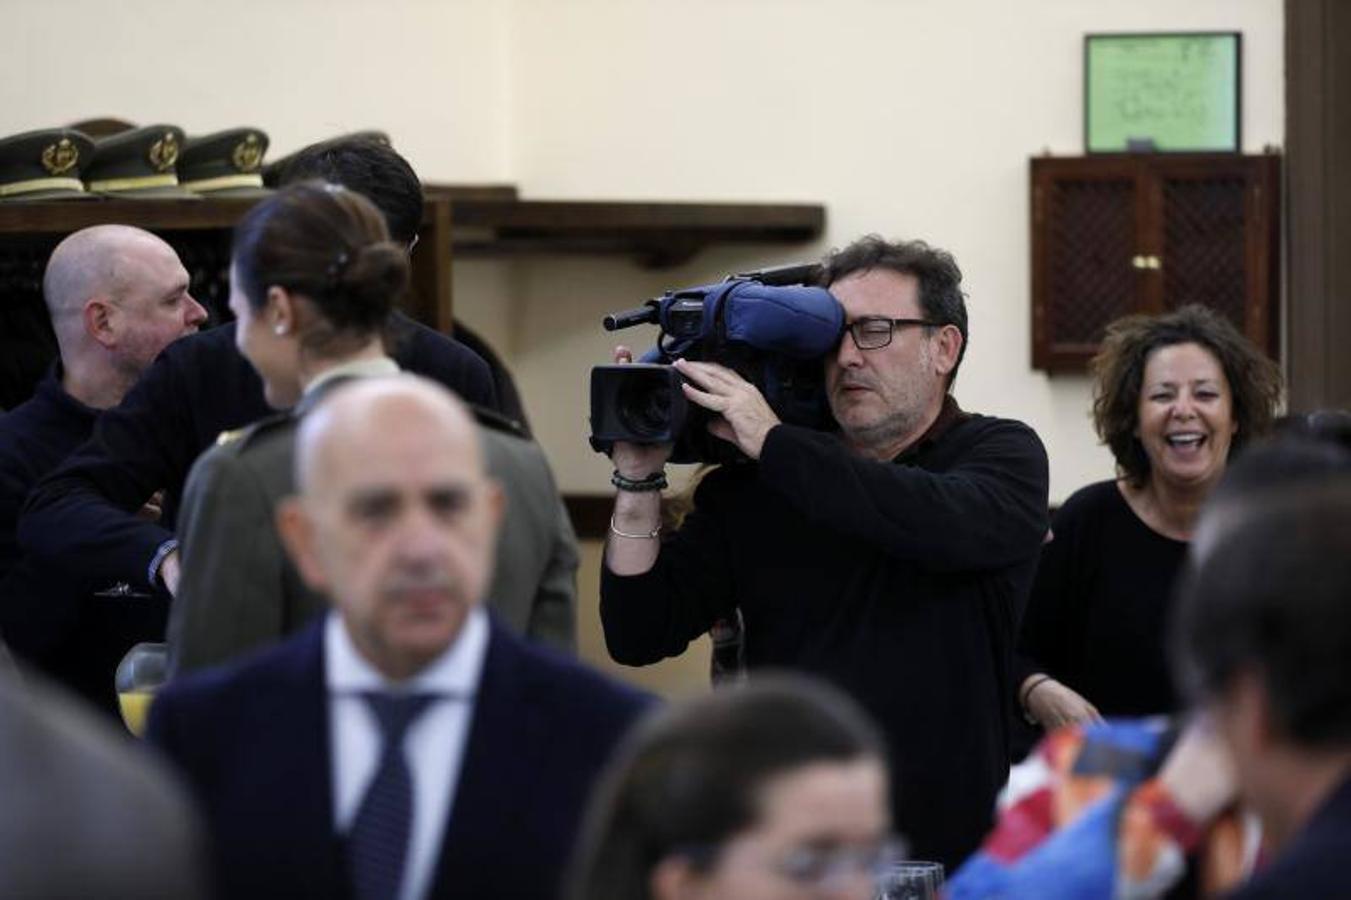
<point>314,279</point>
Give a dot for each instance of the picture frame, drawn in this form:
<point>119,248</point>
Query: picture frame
<point>1168,92</point>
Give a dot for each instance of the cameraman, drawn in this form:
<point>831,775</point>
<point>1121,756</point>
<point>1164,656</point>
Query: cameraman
<point>892,557</point>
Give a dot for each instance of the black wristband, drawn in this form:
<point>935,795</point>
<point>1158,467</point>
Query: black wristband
<point>1027,692</point>
<point>654,482</point>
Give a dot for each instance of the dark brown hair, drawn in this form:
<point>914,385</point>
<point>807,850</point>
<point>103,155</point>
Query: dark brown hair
<point>1268,595</point>
<point>373,169</point>
<point>690,777</point>
<point>1119,368</point>
<point>940,281</point>
<point>331,246</point>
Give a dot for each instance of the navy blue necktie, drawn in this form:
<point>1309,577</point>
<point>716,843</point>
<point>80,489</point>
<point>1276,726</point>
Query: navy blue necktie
<point>377,843</point>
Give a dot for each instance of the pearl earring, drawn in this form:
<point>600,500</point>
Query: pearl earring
<point>279,329</point>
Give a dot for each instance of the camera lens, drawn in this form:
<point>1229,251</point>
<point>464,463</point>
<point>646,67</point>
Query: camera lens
<point>643,406</point>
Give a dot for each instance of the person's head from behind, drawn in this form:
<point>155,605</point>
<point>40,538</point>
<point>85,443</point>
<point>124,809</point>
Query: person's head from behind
<point>372,168</point>
<point>1175,394</point>
<point>776,790</point>
<point>1263,628</point>
<point>314,279</point>
<point>887,376</point>
<point>117,296</point>
<point>395,519</point>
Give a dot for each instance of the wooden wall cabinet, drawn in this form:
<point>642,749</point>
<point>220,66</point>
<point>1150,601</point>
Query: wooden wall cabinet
<point>1119,234</point>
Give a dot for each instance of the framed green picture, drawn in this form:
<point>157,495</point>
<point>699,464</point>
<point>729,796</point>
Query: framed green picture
<point>1174,93</point>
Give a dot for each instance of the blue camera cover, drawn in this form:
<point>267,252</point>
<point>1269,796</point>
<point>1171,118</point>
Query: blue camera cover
<point>798,322</point>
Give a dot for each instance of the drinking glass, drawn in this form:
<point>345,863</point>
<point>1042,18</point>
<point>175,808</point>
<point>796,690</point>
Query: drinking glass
<point>140,673</point>
<point>910,880</point>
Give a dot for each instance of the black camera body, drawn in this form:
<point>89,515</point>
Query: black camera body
<point>768,327</point>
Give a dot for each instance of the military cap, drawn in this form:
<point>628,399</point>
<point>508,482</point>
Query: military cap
<point>225,164</point>
<point>275,171</point>
<point>44,165</point>
<point>138,163</point>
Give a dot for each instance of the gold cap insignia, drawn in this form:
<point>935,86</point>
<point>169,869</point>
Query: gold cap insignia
<point>248,154</point>
<point>61,157</point>
<point>164,152</point>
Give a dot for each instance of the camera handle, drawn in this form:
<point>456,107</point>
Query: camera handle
<point>647,314</point>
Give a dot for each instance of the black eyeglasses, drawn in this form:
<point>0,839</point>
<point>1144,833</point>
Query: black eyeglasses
<point>875,332</point>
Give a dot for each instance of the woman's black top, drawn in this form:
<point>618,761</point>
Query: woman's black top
<point>1097,617</point>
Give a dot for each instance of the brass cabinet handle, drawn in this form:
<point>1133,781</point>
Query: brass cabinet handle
<point>1154,263</point>
<point>1139,262</point>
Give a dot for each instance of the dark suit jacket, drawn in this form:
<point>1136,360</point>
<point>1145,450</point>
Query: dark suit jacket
<point>253,741</point>
<point>1317,861</point>
<point>82,516</point>
<point>87,812</point>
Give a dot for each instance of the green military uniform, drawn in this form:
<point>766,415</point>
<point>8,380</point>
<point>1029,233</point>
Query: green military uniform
<point>239,591</point>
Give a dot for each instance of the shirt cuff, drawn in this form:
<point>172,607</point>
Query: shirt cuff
<point>157,560</point>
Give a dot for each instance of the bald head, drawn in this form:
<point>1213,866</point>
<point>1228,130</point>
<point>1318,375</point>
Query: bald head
<point>95,262</point>
<point>354,415</point>
<point>396,520</point>
<point>117,296</point>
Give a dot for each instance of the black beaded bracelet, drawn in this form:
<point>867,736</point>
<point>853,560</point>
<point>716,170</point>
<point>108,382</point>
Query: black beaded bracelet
<point>654,482</point>
<point>1026,694</point>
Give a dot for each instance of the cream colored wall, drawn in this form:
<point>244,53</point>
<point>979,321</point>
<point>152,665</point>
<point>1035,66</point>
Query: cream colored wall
<point>907,117</point>
<point>913,119</point>
<point>430,72</point>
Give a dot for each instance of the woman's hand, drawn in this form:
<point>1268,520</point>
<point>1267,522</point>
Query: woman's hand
<point>1053,704</point>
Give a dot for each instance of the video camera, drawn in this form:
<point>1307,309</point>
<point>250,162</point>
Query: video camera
<point>768,326</point>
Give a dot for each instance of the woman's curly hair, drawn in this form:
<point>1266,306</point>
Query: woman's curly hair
<point>1118,369</point>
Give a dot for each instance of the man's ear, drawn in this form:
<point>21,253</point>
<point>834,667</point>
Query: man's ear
<point>1253,703</point>
<point>949,343</point>
<point>497,502</point>
<point>296,529</point>
<point>673,878</point>
<point>99,316</point>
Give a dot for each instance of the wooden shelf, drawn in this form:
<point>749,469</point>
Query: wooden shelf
<point>63,216</point>
<point>480,220</point>
<point>659,234</point>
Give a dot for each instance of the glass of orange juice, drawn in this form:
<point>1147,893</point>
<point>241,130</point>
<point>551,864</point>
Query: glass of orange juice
<point>139,675</point>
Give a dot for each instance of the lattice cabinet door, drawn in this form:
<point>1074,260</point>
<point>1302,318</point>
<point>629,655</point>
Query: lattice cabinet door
<point>1216,227</point>
<point>1087,225</point>
<point>1119,234</point>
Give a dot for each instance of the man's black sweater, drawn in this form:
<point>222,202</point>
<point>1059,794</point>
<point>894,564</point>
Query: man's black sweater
<point>901,582</point>
<point>82,516</point>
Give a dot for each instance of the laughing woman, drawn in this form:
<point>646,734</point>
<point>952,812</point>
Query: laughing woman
<point>1174,396</point>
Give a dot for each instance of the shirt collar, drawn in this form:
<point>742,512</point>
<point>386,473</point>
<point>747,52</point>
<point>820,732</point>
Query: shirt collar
<point>455,673</point>
<point>949,415</point>
<point>357,368</point>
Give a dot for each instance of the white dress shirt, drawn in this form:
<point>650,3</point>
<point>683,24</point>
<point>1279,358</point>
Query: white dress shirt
<point>434,745</point>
